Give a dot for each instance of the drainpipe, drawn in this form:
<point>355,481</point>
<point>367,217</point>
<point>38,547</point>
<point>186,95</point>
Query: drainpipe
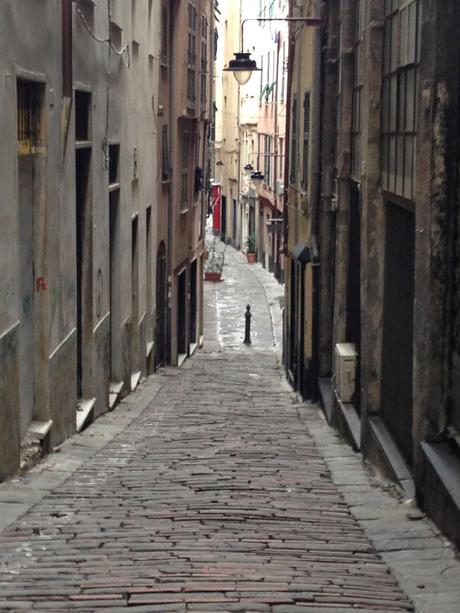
<point>67,67</point>
<point>275,247</point>
<point>172,133</point>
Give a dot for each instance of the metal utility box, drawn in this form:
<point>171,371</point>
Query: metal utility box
<point>345,370</point>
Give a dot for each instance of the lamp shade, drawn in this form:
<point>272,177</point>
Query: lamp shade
<point>257,177</point>
<point>242,67</point>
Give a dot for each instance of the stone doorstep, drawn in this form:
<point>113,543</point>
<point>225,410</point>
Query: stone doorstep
<point>392,456</point>
<point>349,419</point>
<point>181,358</point>
<point>135,378</point>
<point>85,413</point>
<point>148,348</point>
<point>115,391</point>
<point>40,429</point>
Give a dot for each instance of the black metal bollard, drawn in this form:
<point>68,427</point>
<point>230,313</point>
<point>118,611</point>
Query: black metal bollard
<point>247,326</point>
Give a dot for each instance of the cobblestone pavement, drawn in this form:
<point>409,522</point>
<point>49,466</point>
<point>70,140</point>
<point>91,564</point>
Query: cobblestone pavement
<point>211,489</point>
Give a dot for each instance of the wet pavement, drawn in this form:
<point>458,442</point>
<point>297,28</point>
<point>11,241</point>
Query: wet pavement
<point>212,489</point>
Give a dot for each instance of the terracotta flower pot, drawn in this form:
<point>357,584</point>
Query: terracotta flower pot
<point>252,258</point>
<point>213,276</point>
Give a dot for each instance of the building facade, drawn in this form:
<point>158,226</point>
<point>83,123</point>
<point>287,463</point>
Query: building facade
<point>382,221</point>
<point>185,116</point>
<point>250,129</point>
<point>91,299</point>
<point>302,180</point>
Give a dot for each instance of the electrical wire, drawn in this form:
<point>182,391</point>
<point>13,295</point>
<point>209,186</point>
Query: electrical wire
<point>124,50</point>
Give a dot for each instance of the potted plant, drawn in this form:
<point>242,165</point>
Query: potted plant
<point>214,262</point>
<point>251,249</point>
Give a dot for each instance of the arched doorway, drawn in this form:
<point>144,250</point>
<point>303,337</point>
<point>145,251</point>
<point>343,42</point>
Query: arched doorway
<point>161,320</point>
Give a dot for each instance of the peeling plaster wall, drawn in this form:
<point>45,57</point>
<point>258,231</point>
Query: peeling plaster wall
<point>34,53</point>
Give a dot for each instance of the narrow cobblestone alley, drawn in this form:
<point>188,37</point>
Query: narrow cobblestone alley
<point>204,491</point>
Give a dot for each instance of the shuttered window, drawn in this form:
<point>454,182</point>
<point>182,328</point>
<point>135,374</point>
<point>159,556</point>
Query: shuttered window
<point>204,61</point>
<point>191,56</point>
<point>306,139</point>
<point>164,154</point>
<point>294,140</point>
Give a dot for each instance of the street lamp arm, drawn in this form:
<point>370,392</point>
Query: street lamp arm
<point>308,21</point>
<point>280,155</point>
<point>242,66</point>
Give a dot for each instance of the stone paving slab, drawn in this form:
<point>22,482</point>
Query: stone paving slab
<point>214,498</point>
<point>212,489</point>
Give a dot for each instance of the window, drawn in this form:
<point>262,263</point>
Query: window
<point>399,97</point>
<point>191,56</point>
<point>204,60</point>
<point>357,90</point>
<point>114,164</point>
<point>184,171</point>
<point>267,159</point>
<point>293,164</point>
<point>164,154</point>
<point>261,78</point>
<point>30,97</point>
<point>164,35</point>
<point>306,138</point>
<point>283,73</point>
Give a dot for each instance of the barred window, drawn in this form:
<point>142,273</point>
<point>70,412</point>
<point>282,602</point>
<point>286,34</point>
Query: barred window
<point>30,96</point>
<point>191,56</point>
<point>399,96</point>
<point>357,90</point>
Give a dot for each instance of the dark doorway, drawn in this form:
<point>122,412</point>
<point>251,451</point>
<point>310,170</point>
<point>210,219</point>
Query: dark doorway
<point>235,222</point>
<point>353,321</point>
<point>252,219</point>
<point>83,256</point>
<point>302,380</point>
<point>134,350</point>
<point>293,349</point>
<point>223,220</point>
<point>261,246</point>
<point>161,322</point>
<point>181,314</point>
<point>149,274</point>
<point>193,302</point>
<point>114,205</point>
<point>27,204</point>
<point>398,307</point>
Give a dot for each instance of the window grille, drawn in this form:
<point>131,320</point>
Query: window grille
<point>29,110</point>
<point>357,90</point>
<point>399,97</point>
